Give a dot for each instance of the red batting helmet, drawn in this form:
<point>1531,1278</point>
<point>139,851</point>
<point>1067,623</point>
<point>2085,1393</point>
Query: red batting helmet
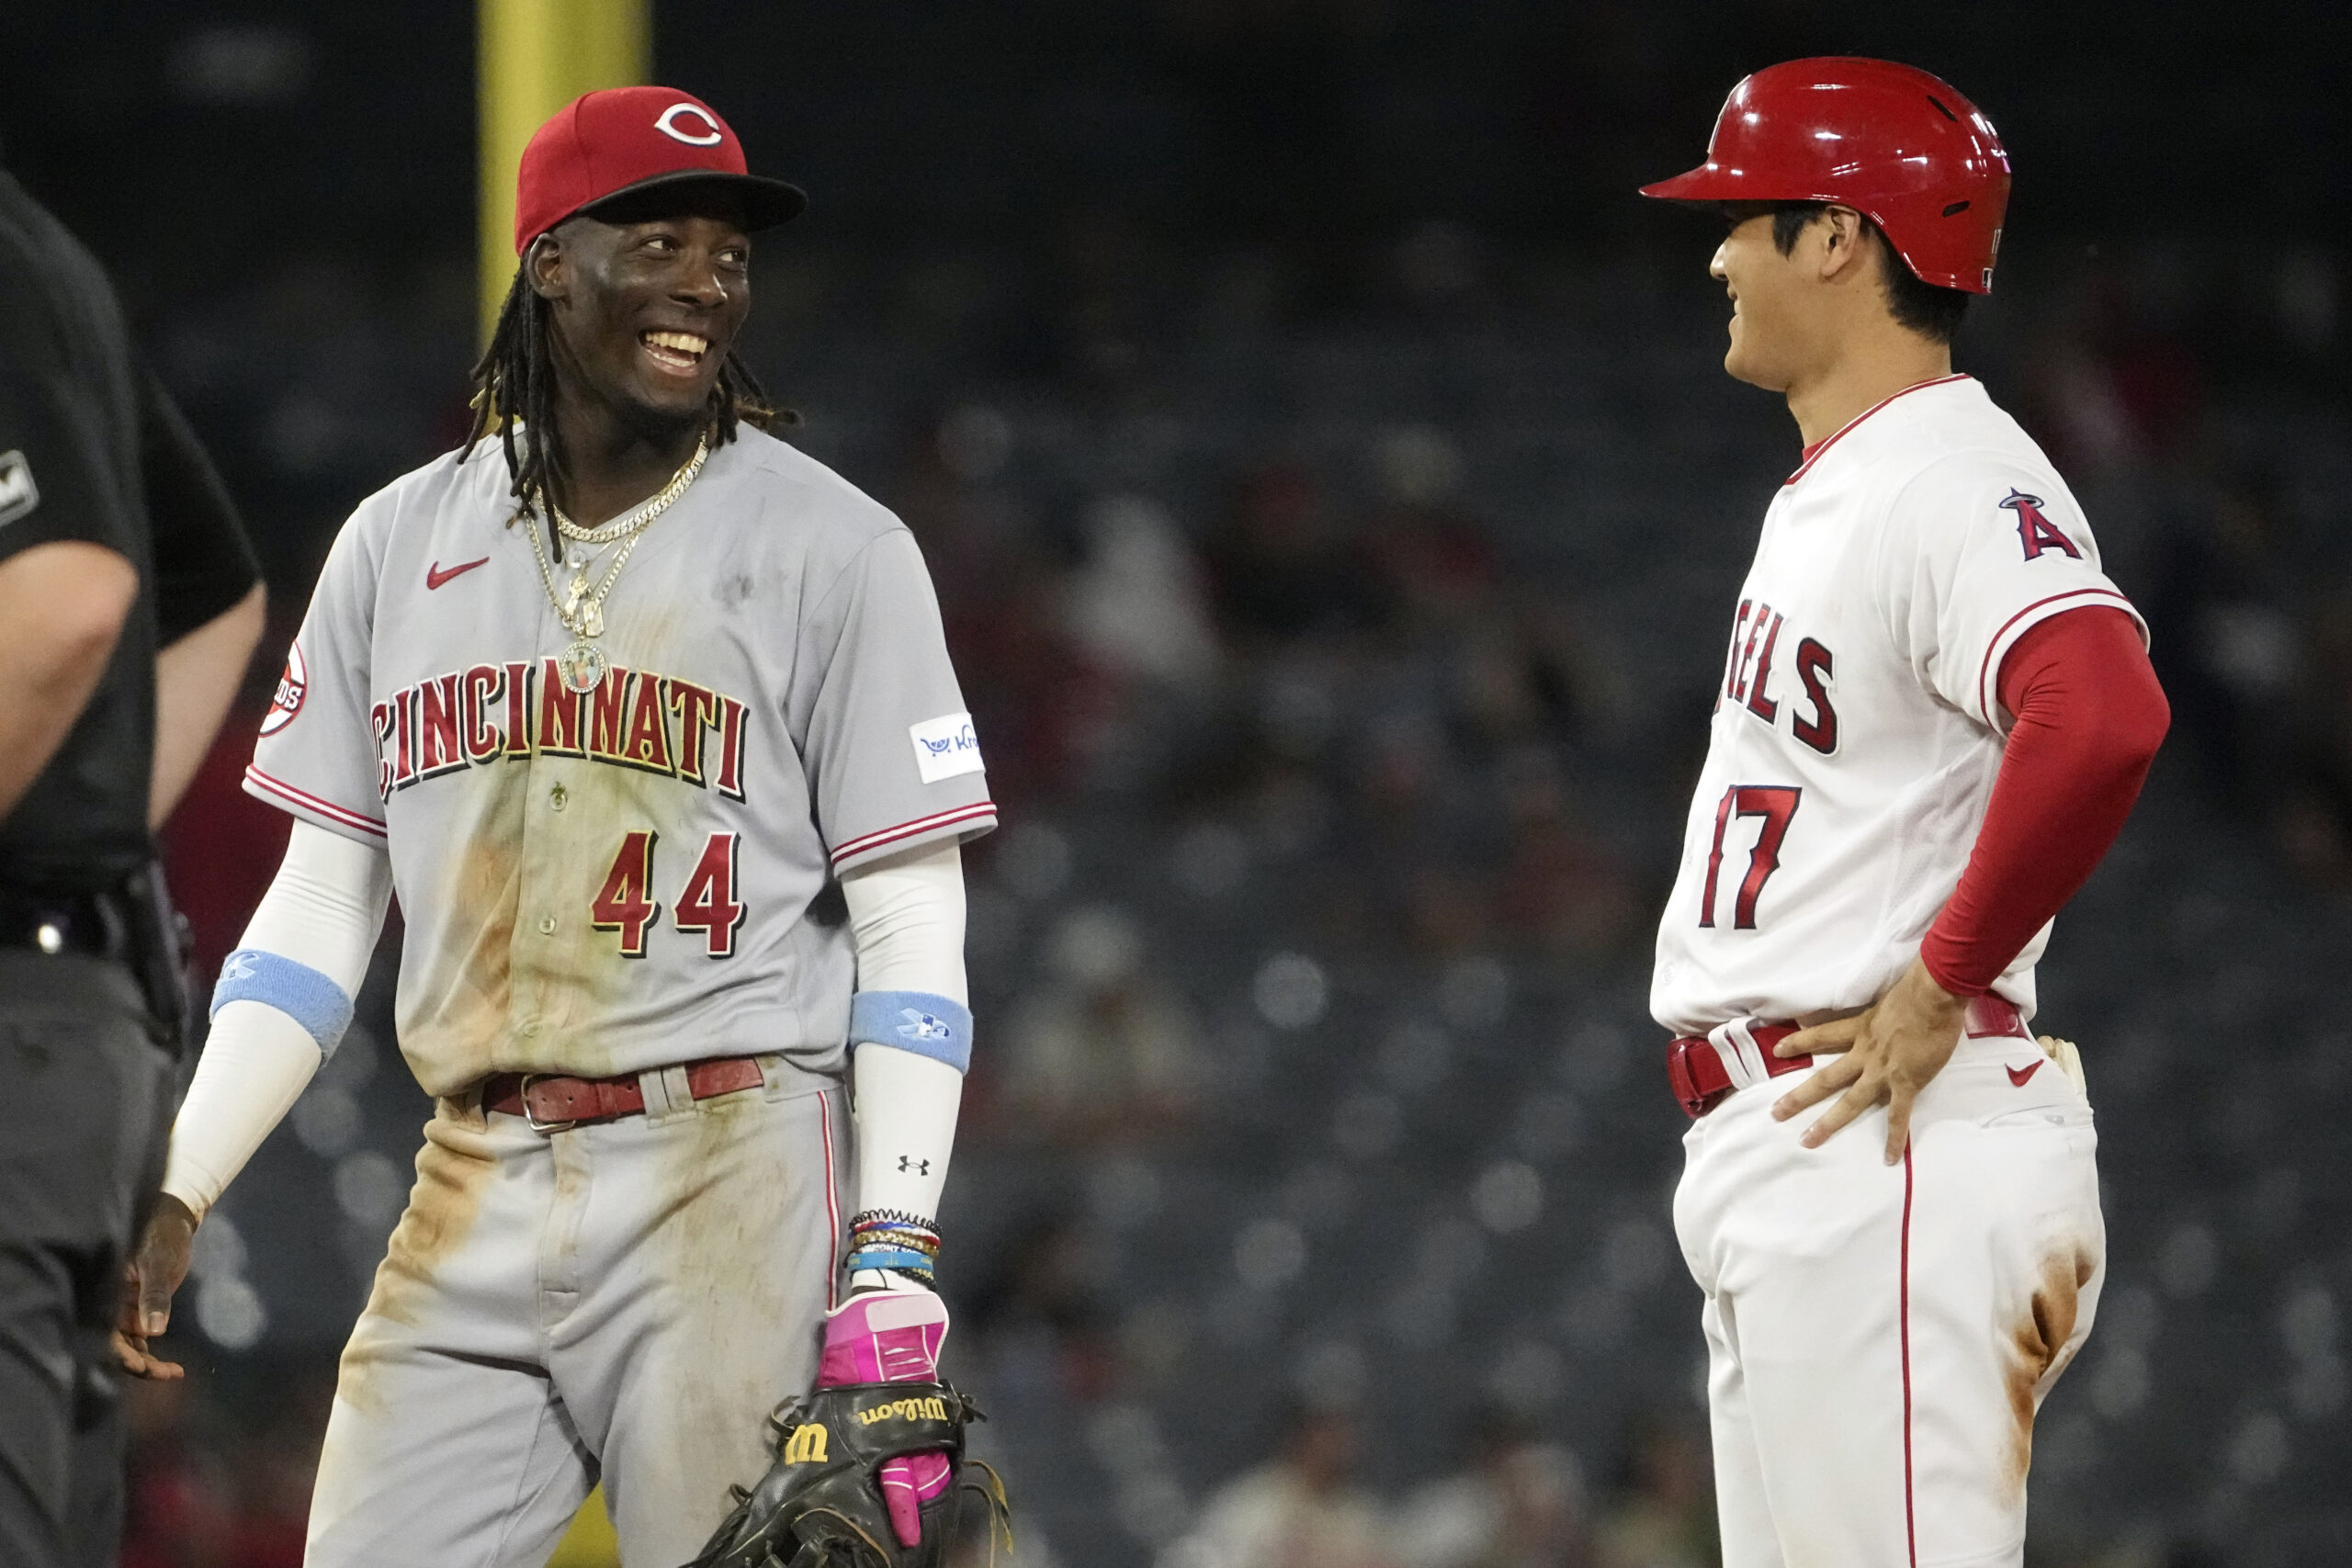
<point>1894,143</point>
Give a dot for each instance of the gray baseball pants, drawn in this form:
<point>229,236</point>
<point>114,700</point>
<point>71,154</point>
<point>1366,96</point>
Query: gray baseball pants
<point>624,1302</point>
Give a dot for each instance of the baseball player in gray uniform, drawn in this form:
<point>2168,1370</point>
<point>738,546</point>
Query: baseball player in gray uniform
<point>648,720</point>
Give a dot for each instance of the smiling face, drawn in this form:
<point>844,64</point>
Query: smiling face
<point>1769,299</point>
<point>648,297</point>
<point>1794,311</point>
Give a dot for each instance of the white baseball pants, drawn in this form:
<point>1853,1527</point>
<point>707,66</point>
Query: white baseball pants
<point>1879,1336</point>
<point>624,1301</point>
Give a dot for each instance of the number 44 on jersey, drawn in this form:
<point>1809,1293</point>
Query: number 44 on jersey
<point>706,903</point>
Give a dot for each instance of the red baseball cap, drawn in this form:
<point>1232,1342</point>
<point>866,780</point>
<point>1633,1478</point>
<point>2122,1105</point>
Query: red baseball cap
<point>619,140</point>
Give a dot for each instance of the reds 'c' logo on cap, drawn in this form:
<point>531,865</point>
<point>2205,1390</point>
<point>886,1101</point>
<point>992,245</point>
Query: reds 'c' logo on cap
<point>619,139</point>
<point>668,126</point>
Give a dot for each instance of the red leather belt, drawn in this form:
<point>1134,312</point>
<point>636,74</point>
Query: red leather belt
<point>550,1101</point>
<point>1700,1081</point>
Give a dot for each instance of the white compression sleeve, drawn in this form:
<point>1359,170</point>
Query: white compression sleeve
<point>324,909</point>
<point>907,914</point>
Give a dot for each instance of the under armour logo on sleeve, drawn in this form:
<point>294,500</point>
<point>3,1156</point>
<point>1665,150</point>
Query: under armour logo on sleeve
<point>917,1166</point>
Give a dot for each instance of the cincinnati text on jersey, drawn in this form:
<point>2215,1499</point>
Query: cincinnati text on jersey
<point>633,719</point>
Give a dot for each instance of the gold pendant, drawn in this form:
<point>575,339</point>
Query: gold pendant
<point>583,666</point>
<point>591,619</point>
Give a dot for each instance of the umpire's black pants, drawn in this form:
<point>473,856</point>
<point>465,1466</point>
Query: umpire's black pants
<point>85,1100</point>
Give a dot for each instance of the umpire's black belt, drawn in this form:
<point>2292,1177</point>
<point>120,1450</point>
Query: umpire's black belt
<point>98,923</point>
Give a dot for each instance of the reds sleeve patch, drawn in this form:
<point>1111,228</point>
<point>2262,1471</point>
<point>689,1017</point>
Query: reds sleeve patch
<point>287,702</point>
<point>945,747</point>
<point>19,494</point>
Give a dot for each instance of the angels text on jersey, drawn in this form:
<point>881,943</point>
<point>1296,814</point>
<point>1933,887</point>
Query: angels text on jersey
<point>1752,676</point>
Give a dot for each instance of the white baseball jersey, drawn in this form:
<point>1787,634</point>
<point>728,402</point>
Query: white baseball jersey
<point>1858,729</point>
<point>603,882</point>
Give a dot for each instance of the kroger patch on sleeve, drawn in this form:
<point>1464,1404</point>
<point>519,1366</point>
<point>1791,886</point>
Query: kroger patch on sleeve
<point>945,747</point>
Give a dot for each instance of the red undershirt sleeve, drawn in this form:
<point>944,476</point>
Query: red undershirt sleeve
<point>2090,716</point>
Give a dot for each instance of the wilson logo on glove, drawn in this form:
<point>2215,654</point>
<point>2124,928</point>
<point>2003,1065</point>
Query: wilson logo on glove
<point>806,1445</point>
<point>905,1410</point>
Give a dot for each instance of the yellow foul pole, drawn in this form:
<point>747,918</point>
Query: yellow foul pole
<point>534,57</point>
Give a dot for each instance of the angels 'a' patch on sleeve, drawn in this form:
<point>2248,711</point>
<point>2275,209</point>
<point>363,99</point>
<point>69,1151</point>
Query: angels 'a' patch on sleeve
<point>945,747</point>
<point>2036,531</point>
<point>19,494</point>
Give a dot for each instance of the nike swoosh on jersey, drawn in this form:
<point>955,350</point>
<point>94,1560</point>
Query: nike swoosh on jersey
<point>435,577</point>
<point>2019,1074</point>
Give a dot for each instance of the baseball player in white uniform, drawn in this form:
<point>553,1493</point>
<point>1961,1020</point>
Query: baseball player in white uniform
<point>647,721</point>
<point>1935,713</point>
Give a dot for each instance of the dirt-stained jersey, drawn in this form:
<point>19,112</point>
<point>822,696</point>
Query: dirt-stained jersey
<point>600,882</point>
<point>1857,730</point>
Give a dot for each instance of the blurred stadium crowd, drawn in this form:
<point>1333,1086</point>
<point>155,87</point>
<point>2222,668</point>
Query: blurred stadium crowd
<point>1339,612</point>
<point>1341,674</point>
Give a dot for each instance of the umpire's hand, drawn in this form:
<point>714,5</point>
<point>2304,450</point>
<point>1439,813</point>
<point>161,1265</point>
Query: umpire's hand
<point>156,1269</point>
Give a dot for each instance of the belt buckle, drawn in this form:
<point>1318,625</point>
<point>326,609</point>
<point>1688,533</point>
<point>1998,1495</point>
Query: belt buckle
<point>1678,1079</point>
<point>531,1117</point>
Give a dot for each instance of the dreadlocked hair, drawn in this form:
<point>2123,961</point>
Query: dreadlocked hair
<point>514,386</point>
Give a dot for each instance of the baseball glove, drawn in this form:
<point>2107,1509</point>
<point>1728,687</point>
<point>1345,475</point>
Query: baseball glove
<point>820,1505</point>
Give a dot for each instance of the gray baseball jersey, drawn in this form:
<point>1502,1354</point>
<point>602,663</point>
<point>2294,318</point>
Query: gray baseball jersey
<point>602,882</point>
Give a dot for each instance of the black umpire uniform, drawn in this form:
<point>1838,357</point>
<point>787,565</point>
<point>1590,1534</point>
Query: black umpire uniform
<point>93,1003</point>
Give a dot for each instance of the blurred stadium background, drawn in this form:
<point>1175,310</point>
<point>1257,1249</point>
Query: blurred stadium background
<point>1335,500</point>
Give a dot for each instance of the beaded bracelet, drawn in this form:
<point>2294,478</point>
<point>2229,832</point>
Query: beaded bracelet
<point>920,1238</point>
<point>927,1240</point>
<point>893,1239</point>
<point>865,1218</point>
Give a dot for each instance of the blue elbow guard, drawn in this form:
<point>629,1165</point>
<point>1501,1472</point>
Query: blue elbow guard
<point>929,1025</point>
<point>301,992</point>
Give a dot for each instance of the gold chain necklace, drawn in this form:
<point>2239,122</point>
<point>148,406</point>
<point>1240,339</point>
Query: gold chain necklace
<point>653,507</point>
<point>581,607</point>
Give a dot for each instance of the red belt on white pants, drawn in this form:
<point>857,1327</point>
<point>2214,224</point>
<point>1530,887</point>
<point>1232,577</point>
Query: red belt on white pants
<point>1703,1070</point>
